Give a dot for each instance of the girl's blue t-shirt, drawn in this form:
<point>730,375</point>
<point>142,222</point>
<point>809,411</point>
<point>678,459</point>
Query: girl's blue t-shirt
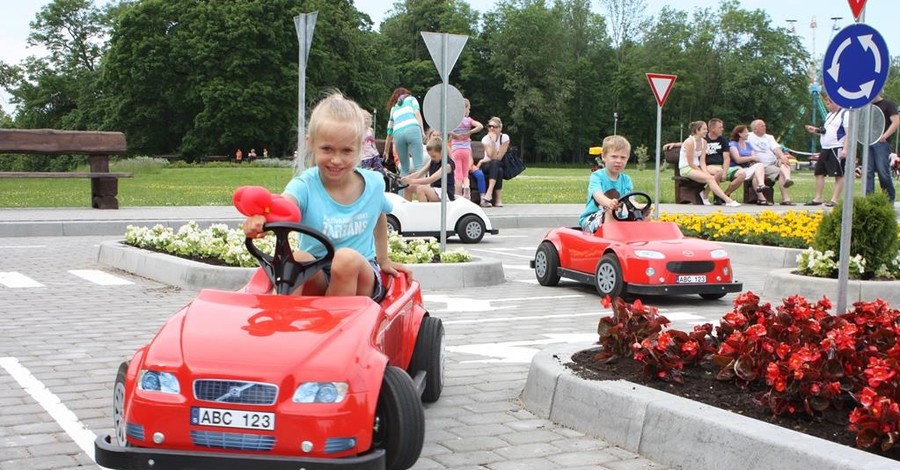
<point>600,181</point>
<point>347,225</point>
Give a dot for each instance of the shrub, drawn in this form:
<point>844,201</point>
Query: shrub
<point>873,233</point>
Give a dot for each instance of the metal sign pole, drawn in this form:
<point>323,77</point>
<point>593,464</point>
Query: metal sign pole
<point>305,24</point>
<point>658,143</point>
<point>847,217</point>
<point>444,90</point>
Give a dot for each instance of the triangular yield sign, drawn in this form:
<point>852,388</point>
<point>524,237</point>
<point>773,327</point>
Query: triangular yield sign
<point>661,84</point>
<point>856,7</point>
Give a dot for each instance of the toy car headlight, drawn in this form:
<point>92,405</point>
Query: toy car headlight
<point>320,392</point>
<point>718,254</point>
<point>155,381</point>
<point>649,254</point>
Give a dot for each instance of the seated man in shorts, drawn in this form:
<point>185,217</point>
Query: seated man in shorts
<point>718,160</point>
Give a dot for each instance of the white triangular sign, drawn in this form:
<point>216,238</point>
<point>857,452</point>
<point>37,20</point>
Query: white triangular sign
<point>661,84</point>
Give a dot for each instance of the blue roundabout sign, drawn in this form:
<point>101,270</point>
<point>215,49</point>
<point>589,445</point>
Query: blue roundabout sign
<point>856,66</point>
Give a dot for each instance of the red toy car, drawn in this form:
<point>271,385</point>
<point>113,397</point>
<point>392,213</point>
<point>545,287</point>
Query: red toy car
<point>256,379</point>
<point>637,257</point>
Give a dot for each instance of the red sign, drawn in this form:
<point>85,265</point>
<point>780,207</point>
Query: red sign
<point>856,7</point>
<point>661,84</point>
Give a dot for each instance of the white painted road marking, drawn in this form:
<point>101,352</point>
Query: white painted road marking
<point>467,304</point>
<point>503,253</point>
<point>523,318</point>
<point>67,420</point>
<point>100,277</point>
<point>516,351</point>
<point>17,247</point>
<point>16,280</point>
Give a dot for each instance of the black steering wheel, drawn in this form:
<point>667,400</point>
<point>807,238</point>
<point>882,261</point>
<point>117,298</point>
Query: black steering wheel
<point>393,178</point>
<point>633,210</point>
<point>283,270</point>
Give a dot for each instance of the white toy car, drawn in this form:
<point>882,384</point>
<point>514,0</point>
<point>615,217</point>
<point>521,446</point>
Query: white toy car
<point>465,219</point>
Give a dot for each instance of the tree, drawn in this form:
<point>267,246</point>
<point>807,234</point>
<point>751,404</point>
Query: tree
<point>209,77</point>
<point>58,91</point>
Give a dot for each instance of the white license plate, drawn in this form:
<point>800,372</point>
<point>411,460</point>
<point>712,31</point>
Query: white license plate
<point>691,279</point>
<point>232,418</point>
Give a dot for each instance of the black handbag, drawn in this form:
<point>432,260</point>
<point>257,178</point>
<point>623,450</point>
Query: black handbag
<point>512,164</point>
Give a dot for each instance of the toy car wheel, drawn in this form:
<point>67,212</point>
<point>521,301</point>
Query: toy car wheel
<point>119,404</point>
<point>399,420</point>
<point>470,229</point>
<point>716,296</point>
<point>393,225</point>
<point>546,263</point>
<point>430,356</point>
<point>608,278</point>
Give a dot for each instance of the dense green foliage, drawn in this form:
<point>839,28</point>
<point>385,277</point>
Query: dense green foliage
<point>200,78</point>
<point>873,233</point>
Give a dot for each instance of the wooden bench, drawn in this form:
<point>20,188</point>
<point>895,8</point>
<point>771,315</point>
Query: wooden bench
<point>98,146</point>
<point>687,191</point>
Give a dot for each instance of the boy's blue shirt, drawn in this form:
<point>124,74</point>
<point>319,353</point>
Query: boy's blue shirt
<point>347,225</point>
<point>600,181</point>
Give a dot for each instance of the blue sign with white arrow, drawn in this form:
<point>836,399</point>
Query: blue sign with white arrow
<point>856,66</point>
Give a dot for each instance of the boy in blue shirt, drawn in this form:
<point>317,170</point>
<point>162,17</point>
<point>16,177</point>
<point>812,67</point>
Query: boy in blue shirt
<point>607,183</point>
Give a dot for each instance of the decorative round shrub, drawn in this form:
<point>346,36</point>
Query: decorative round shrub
<point>873,232</point>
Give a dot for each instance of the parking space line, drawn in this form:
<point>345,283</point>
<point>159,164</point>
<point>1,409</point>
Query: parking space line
<point>503,253</point>
<point>16,280</point>
<point>523,318</point>
<point>100,277</point>
<point>81,435</point>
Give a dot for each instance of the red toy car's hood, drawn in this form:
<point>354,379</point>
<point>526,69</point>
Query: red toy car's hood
<point>268,335</point>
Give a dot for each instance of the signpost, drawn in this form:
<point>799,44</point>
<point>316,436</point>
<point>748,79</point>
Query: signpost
<point>443,107</point>
<point>305,23</point>
<point>661,84</point>
<point>856,67</point>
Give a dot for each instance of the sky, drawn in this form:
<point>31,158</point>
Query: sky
<point>14,22</point>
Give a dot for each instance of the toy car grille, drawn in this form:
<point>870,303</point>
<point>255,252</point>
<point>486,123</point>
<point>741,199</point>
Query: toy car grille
<point>231,391</point>
<point>232,441</point>
<point>690,267</point>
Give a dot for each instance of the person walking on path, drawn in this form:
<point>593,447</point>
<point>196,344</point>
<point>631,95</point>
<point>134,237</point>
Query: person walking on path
<point>833,154</point>
<point>880,151</point>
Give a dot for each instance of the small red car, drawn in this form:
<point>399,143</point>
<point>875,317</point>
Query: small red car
<point>261,379</point>
<point>631,256</point>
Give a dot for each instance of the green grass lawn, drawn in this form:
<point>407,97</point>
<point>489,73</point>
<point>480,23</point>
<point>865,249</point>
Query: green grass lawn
<point>214,184</point>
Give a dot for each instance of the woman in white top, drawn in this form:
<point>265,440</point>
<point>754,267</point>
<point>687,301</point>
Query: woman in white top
<point>692,150</point>
<point>495,144</point>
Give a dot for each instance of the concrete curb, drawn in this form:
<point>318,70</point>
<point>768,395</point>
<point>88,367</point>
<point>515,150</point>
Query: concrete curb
<point>672,430</point>
<point>189,274</point>
<point>759,255</point>
<point>782,283</point>
<point>68,228</point>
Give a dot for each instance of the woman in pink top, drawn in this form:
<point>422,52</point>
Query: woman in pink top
<point>461,149</point>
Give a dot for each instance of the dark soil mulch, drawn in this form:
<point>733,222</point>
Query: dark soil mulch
<point>701,385</point>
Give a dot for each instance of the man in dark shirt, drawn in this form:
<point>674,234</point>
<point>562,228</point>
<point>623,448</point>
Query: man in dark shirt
<point>880,151</point>
<point>718,159</point>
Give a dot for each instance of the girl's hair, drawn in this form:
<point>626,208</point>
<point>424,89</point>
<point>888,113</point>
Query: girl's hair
<point>367,118</point>
<point>696,125</point>
<point>495,120</point>
<point>613,143</point>
<point>737,131</point>
<point>395,96</point>
<point>336,110</point>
